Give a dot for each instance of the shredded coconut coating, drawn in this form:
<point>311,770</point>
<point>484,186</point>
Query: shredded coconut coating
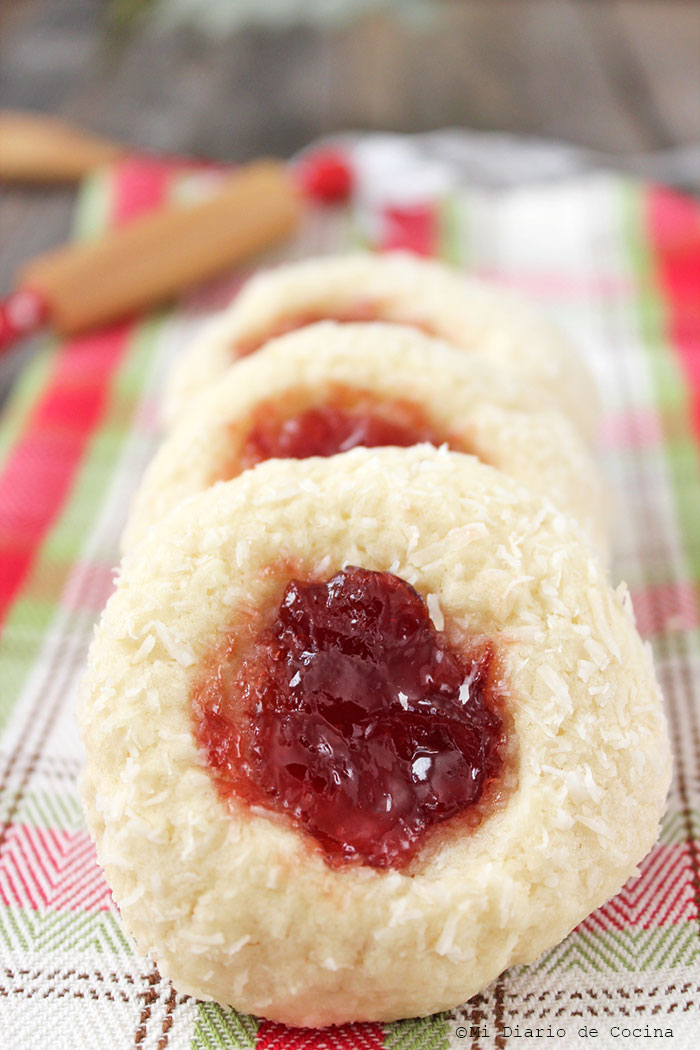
<point>479,407</point>
<point>238,906</point>
<point>470,313</point>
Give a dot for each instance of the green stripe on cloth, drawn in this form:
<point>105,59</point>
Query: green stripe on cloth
<point>43,809</point>
<point>23,398</point>
<point>621,951</point>
<point>674,827</point>
<point>93,207</point>
<point>35,931</point>
<point>218,1028</point>
<point>451,231</point>
<point>419,1033</point>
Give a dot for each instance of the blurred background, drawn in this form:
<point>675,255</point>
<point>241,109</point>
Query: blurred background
<point>617,80</point>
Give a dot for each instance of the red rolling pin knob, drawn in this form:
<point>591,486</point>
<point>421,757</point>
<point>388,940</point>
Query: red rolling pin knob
<point>22,313</point>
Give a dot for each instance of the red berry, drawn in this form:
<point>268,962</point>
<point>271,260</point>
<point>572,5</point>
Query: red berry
<point>325,176</point>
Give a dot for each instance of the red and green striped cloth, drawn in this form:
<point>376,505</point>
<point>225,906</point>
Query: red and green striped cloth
<point>618,264</point>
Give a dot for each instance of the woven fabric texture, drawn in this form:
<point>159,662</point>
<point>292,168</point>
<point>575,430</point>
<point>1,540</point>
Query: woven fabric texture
<point>617,263</point>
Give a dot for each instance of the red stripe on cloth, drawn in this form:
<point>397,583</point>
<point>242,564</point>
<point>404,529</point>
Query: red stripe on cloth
<point>665,607</point>
<point>412,229</point>
<point>40,470</point>
<point>88,587</point>
<point>139,186</point>
<point>662,895</point>
<point>635,428</point>
<point>549,284</point>
<point>273,1036</point>
<point>44,868</point>
<point>674,226</point>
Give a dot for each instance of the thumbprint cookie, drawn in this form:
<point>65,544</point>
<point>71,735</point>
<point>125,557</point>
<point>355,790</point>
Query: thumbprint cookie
<point>364,731</point>
<point>330,387</point>
<point>470,313</point>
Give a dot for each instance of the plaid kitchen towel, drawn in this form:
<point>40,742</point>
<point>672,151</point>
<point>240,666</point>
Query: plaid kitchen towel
<point>617,263</point>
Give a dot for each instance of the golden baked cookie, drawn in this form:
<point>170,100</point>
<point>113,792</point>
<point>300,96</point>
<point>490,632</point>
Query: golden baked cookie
<point>330,387</point>
<point>362,732</point>
<point>472,314</point>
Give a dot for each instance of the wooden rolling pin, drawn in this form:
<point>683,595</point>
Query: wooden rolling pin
<point>159,255</point>
<point>155,257</point>
<point>37,148</point>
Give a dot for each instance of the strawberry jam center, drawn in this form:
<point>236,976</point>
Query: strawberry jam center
<point>326,430</point>
<point>353,715</point>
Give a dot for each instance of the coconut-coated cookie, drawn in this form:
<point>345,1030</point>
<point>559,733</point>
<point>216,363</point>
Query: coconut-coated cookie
<point>470,313</point>
<point>423,388</point>
<point>239,902</point>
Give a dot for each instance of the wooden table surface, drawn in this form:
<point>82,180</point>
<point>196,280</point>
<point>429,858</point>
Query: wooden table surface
<point>621,77</point>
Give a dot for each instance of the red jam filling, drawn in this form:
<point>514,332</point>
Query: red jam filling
<point>357,313</point>
<point>354,716</point>
<point>325,430</point>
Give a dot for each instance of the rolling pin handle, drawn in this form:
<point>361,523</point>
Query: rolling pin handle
<point>22,313</point>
